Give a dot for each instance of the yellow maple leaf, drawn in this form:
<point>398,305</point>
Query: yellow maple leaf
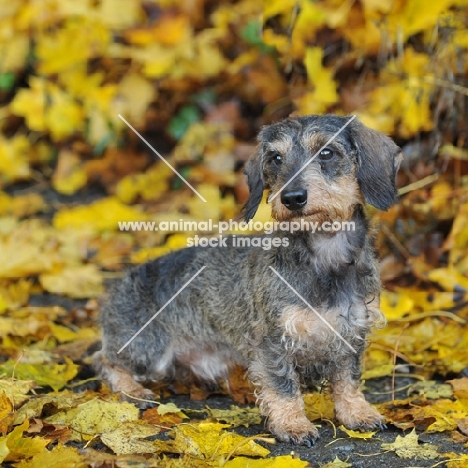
<point>277,7</point>
<point>69,175</point>
<point>458,236</point>
<point>409,447</point>
<point>14,160</point>
<point>6,413</point>
<point>165,408</point>
<point>127,438</point>
<point>418,15</point>
<point>377,363</point>
<point>157,60</point>
<point>174,242</point>
<point>19,447</point>
<point>119,14</point>
<point>394,305</point>
<point>78,282</point>
<point>319,406</point>
<point>135,93</point>
<point>449,279</point>
<point>209,61</point>
<point>236,416</point>
<point>320,77</point>
<point>64,116</point>
<point>209,440</point>
<point>19,257</point>
<point>95,417</point>
<point>17,390</point>
<point>14,52</point>
<point>21,206</point>
<point>281,461</point>
<point>59,457</point>
<point>457,460</point>
<point>169,30</point>
<point>447,413</point>
<point>358,434</point>
<point>53,375</point>
<point>101,215</point>
<point>210,209</point>
<point>50,403</point>
<point>30,104</point>
<point>79,39</point>
<point>337,463</point>
<point>14,295</point>
<point>310,18</point>
<point>150,185</point>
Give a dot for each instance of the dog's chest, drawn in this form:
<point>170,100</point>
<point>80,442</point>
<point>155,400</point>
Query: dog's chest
<point>321,331</point>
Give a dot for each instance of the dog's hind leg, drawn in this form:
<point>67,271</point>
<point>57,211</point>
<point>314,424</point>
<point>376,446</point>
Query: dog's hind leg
<point>120,380</point>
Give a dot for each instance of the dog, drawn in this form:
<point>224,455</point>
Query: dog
<point>294,316</point>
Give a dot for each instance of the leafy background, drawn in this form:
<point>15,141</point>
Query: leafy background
<point>197,79</point>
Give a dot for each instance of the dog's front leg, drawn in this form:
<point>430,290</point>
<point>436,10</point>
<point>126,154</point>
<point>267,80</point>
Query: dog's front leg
<point>278,392</point>
<point>351,407</point>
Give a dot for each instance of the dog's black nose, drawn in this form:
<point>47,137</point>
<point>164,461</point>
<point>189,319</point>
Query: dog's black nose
<point>294,199</point>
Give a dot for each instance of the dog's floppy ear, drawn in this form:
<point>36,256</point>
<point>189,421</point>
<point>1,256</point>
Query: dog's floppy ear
<point>254,172</point>
<point>378,161</point>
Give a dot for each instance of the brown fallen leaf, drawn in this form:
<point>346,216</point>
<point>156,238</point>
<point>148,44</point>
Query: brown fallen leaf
<point>52,432</point>
<point>165,421</point>
<point>460,388</point>
<point>114,165</point>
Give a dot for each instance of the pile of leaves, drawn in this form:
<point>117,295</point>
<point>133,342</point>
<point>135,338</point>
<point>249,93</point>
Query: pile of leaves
<point>87,87</point>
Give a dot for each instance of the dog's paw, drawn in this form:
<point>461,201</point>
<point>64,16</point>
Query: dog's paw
<point>301,432</point>
<point>144,398</point>
<point>362,417</point>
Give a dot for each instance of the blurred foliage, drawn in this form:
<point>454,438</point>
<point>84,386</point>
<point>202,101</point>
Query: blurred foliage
<point>68,69</point>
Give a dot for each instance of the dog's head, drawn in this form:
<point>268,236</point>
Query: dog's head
<point>350,166</point>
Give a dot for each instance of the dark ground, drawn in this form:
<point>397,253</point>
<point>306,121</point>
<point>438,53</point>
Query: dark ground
<point>358,452</point>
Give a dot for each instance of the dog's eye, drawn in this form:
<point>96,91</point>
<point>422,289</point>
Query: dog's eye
<point>326,154</point>
<point>276,159</point>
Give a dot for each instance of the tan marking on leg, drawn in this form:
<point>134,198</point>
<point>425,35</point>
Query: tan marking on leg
<point>120,380</point>
<point>286,417</point>
<point>351,408</point>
